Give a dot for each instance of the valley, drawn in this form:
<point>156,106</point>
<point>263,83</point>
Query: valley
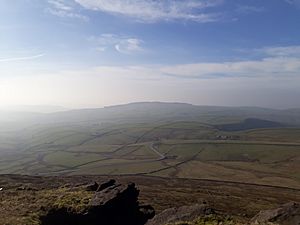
<point>167,147</point>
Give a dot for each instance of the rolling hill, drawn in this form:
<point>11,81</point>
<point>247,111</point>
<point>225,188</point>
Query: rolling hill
<point>158,111</point>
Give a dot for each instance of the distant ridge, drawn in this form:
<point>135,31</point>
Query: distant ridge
<point>250,123</point>
<point>140,112</point>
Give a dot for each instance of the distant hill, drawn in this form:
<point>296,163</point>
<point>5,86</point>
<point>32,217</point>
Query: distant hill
<point>250,123</point>
<point>159,112</point>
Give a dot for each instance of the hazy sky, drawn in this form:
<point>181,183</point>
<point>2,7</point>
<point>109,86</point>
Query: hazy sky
<point>90,53</point>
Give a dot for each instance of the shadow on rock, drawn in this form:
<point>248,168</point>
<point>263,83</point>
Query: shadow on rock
<point>112,204</point>
<point>184,213</point>
<point>287,214</point>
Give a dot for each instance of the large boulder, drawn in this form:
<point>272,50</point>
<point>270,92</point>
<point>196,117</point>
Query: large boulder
<point>92,187</point>
<point>288,214</point>
<point>112,204</point>
<point>116,194</point>
<point>106,185</point>
<point>184,213</point>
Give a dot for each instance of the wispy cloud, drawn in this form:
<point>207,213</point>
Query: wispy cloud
<point>267,67</point>
<point>60,4</point>
<point>294,2</point>
<point>21,58</point>
<point>264,79</point>
<point>276,63</point>
<point>153,10</point>
<point>122,44</point>
<point>290,51</point>
<point>64,9</point>
<point>129,45</point>
<point>247,9</point>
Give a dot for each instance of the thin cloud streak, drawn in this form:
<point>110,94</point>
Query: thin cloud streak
<point>294,2</point>
<point>282,51</point>
<point>269,67</point>
<point>25,58</point>
<point>154,11</point>
<point>64,9</point>
<point>247,9</point>
<point>122,44</point>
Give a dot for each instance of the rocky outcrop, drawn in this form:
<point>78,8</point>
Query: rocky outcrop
<point>106,185</point>
<point>112,204</point>
<point>92,187</point>
<point>185,213</point>
<point>288,214</point>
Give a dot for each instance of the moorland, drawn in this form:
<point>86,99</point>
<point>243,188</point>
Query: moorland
<point>244,144</point>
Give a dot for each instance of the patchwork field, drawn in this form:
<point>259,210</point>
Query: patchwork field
<point>181,149</point>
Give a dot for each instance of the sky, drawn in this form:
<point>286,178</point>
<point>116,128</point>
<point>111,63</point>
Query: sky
<point>94,53</point>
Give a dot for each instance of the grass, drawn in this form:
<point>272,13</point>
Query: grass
<point>277,135</point>
<point>116,167</point>
<point>118,137</point>
<point>191,150</point>
<point>219,171</point>
<point>24,207</point>
<point>208,220</point>
<point>144,152</point>
<point>70,159</point>
<point>263,164</point>
<point>245,152</point>
<point>92,147</point>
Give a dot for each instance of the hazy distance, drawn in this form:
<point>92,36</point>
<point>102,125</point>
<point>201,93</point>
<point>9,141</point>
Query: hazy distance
<point>88,54</point>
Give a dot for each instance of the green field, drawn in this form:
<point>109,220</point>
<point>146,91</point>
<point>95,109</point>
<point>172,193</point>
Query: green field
<point>172,149</point>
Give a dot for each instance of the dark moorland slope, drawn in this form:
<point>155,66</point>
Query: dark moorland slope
<point>26,200</point>
<point>150,111</point>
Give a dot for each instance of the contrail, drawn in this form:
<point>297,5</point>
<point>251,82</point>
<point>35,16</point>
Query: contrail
<point>21,58</point>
